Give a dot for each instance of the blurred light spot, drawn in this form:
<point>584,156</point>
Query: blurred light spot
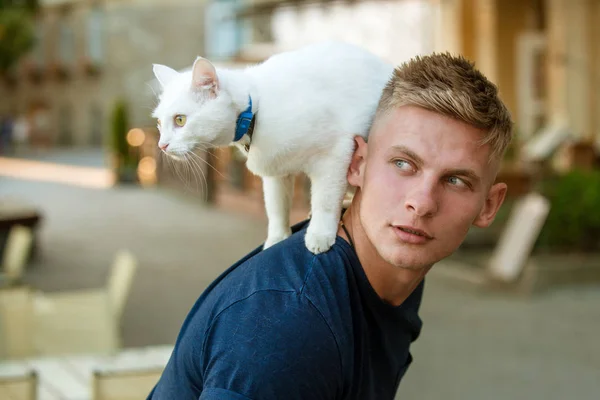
<point>147,170</point>
<point>136,137</point>
<point>147,165</point>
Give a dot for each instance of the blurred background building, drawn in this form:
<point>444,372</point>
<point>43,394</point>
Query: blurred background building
<point>89,55</point>
<point>79,165</point>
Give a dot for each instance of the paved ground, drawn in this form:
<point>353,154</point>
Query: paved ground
<point>474,345</point>
<point>181,246</point>
<point>482,346</point>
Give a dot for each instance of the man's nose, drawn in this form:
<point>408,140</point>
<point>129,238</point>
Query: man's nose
<point>422,200</point>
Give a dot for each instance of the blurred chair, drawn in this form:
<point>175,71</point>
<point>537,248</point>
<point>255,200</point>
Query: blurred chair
<point>16,253</point>
<point>19,387</point>
<point>125,384</point>
<point>85,321</point>
<point>516,242</point>
<point>16,322</point>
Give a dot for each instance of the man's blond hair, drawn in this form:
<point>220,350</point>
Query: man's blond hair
<point>452,86</point>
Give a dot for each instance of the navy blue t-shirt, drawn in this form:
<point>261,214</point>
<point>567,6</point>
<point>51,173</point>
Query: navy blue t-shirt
<point>287,324</point>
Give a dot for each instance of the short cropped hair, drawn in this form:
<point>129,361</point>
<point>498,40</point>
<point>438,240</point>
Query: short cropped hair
<point>452,86</point>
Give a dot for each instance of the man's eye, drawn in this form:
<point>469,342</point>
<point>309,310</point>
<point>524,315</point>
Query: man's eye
<point>456,181</point>
<point>403,164</point>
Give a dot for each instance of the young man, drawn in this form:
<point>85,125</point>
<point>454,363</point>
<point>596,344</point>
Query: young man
<point>287,324</point>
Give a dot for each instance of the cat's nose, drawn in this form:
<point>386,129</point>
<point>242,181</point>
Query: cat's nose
<point>163,147</point>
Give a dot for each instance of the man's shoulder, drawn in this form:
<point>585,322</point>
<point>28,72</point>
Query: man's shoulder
<point>286,266</point>
<point>278,273</point>
<point>268,278</point>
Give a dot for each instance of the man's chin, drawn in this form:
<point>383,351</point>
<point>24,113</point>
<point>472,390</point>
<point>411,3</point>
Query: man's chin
<point>409,260</point>
<point>413,266</point>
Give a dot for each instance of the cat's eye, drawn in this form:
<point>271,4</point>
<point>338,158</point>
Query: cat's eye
<point>180,120</point>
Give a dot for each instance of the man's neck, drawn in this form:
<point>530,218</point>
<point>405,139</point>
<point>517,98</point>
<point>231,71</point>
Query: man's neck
<point>392,284</point>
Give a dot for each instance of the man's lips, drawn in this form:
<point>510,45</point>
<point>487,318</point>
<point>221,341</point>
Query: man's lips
<point>413,231</point>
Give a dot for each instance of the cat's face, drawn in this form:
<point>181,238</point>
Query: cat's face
<point>192,111</point>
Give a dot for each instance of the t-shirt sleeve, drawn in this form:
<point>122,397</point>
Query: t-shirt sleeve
<point>271,345</point>
<point>221,394</point>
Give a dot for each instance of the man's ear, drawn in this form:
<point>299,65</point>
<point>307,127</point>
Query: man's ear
<point>492,204</point>
<point>356,171</point>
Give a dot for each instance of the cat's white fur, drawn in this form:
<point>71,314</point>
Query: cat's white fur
<point>310,104</point>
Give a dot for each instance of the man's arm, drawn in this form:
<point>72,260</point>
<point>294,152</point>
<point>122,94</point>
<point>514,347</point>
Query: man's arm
<point>271,345</point>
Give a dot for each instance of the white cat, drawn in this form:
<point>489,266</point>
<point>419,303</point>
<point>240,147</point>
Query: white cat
<point>307,106</point>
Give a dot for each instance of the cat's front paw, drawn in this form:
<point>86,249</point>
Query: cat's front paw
<point>319,242</point>
<point>276,238</point>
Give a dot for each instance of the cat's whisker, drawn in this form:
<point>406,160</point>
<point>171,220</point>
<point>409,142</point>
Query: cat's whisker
<point>199,168</point>
<point>190,165</point>
<point>206,151</point>
<point>184,162</point>
<point>214,155</point>
<point>200,154</point>
<point>203,147</point>
<point>179,174</point>
<point>206,146</point>
<point>187,171</point>
<point>164,157</point>
<point>207,163</point>
<point>152,89</point>
<point>170,163</point>
<point>181,170</point>
<point>191,170</point>
<point>197,171</point>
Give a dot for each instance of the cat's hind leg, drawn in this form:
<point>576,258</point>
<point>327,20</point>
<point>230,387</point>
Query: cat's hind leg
<point>328,187</point>
<point>278,192</point>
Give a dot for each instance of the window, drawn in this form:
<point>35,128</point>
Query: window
<point>223,30</point>
<point>95,33</point>
<point>39,49</point>
<point>66,43</point>
<point>95,120</point>
<point>65,133</point>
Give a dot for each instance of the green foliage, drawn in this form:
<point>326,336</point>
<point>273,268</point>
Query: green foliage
<point>119,128</point>
<point>29,5</point>
<point>16,31</point>
<point>573,223</point>
<point>512,150</point>
<point>124,156</point>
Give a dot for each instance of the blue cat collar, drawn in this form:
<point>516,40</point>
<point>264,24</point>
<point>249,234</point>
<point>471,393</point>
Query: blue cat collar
<point>244,121</point>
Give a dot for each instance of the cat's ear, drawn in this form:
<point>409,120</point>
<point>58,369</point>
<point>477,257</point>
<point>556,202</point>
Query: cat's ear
<point>164,74</point>
<point>204,76</point>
